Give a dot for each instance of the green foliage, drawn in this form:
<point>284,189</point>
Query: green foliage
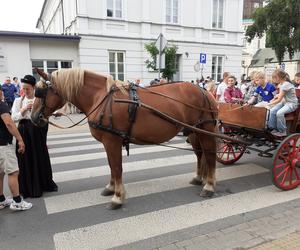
<point>280,21</point>
<point>170,60</point>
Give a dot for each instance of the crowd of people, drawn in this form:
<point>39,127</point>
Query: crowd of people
<point>28,164</point>
<point>279,95</point>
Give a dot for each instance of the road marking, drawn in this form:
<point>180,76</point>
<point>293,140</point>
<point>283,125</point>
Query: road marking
<point>84,173</point>
<point>101,155</point>
<point>68,141</point>
<point>85,147</point>
<point>70,135</point>
<point>141,227</point>
<point>65,202</point>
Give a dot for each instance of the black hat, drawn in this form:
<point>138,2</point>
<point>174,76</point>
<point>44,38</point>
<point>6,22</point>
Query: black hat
<point>29,79</point>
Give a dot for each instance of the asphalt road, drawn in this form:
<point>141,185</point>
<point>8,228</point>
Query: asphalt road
<point>162,207</point>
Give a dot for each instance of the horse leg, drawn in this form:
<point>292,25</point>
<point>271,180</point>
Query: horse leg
<point>110,187</point>
<point>193,138</point>
<point>113,149</point>
<point>208,162</point>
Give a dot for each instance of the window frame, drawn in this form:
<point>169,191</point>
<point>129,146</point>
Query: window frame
<point>216,11</point>
<point>114,9</point>
<point>45,65</point>
<point>116,63</point>
<point>172,12</point>
<point>217,75</point>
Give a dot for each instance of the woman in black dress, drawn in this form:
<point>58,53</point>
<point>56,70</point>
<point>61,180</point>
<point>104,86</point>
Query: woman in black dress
<point>35,175</point>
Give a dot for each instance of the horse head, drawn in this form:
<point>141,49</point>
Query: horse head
<point>47,100</point>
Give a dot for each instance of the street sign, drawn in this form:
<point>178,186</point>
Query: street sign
<point>197,67</point>
<point>161,42</point>
<point>162,61</point>
<point>203,58</point>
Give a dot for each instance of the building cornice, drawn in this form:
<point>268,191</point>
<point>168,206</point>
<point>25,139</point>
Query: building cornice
<point>15,34</point>
<point>150,39</point>
<point>162,24</point>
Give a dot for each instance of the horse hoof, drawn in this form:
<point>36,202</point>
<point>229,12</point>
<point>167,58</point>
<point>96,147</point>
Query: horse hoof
<point>114,206</point>
<point>107,192</point>
<point>206,193</point>
<point>196,182</point>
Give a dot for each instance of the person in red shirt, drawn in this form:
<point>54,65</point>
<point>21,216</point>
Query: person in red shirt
<point>232,93</point>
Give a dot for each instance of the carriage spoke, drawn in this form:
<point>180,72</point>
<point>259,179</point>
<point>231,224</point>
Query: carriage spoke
<point>282,172</point>
<point>285,176</point>
<point>280,165</point>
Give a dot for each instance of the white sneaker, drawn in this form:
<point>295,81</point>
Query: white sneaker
<point>279,134</point>
<point>21,206</point>
<point>6,203</point>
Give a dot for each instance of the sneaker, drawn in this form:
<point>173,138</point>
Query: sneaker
<point>279,134</point>
<point>6,203</point>
<point>21,206</point>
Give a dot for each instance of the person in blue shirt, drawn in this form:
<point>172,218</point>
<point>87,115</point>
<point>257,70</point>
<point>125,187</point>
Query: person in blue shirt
<point>265,90</point>
<point>9,91</point>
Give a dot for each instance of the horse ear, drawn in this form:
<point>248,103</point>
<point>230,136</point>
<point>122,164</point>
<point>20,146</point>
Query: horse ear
<point>41,73</point>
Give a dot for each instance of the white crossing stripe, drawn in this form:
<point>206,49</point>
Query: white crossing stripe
<point>101,155</point>
<point>78,174</point>
<point>88,198</point>
<point>58,136</point>
<point>68,141</point>
<point>85,147</point>
<point>141,227</point>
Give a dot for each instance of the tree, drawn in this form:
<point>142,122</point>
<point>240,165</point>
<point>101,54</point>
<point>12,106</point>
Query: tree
<point>170,60</point>
<point>280,21</point>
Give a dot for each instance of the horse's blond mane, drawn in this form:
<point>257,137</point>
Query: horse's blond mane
<point>69,82</point>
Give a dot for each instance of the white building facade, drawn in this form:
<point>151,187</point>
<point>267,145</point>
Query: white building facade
<point>20,52</point>
<point>114,33</point>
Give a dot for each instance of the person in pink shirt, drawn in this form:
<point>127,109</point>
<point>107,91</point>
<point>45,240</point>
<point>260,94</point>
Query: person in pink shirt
<point>232,93</point>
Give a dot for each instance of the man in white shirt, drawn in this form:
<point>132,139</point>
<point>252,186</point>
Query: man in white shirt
<point>221,88</point>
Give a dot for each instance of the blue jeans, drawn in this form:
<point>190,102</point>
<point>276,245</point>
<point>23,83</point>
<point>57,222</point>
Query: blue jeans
<point>277,119</point>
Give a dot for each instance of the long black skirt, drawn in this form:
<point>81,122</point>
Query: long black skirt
<point>35,173</point>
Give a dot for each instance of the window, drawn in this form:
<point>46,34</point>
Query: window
<point>217,67</point>
<point>114,8</point>
<point>49,66</point>
<point>116,65</point>
<point>218,14</point>
<point>172,11</point>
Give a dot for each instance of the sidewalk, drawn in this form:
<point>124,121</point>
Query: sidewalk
<point>65,122</point>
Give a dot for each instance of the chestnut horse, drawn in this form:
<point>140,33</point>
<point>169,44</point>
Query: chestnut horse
<point>89,92</point>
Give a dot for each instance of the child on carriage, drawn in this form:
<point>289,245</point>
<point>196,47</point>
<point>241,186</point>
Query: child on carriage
<point>232,93</point>
<point>285,102</point>
<point>264,89</point>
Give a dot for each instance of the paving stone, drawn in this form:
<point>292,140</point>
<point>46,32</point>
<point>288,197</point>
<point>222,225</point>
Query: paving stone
<point>199,239</point>
<point>169,247</point>
<point>215,234</point>
<point>235,228</point>
<point>184,243</point>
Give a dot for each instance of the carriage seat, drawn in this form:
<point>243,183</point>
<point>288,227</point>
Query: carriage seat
<point>293,118</point>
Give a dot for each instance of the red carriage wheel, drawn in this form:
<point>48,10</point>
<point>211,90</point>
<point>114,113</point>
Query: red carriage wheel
<point>286,164</point>
<point>228,152</point>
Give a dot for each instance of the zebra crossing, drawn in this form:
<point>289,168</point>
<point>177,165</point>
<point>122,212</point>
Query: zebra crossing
<point>160,202</point>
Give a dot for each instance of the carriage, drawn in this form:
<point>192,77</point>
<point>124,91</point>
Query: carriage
<point>249,123</point>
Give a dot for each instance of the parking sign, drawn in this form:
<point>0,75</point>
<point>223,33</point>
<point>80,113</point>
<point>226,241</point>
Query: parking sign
<point>202,58</point>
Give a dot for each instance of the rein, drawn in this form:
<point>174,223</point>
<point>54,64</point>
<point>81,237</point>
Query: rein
<point>93,110</point>
<point>173,120</point>
<point>174,99</point>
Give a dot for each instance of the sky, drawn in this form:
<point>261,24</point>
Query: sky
<point>20,15</point>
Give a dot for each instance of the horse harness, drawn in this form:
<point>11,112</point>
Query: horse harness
<point>132,110</point>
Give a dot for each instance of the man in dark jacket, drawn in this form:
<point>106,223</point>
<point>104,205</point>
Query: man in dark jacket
<point>9,91</point>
